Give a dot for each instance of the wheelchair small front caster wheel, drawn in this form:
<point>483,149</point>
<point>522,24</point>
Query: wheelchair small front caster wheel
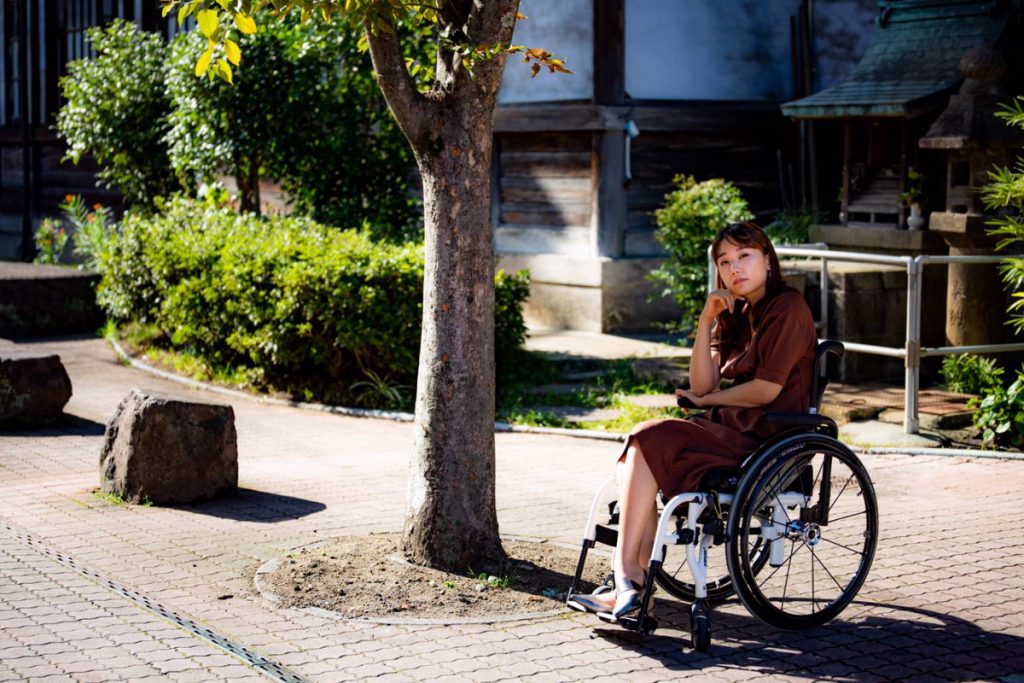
<point>700,625</point>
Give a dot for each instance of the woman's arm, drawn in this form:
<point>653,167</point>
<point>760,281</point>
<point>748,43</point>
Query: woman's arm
<point>705,375</point>
<point>756,392</point>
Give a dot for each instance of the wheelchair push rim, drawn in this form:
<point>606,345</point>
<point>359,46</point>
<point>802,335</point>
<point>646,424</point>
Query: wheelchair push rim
<point>814,504</point>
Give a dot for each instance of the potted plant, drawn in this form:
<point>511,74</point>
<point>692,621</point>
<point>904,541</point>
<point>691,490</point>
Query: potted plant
<point>914,198</point>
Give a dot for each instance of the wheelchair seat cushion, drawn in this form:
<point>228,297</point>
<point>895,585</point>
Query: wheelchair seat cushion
<point>720,480</point>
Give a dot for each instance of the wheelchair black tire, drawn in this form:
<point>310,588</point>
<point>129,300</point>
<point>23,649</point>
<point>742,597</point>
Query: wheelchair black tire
<point>783,468</point>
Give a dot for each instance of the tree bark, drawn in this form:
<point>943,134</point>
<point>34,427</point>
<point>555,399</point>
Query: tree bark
<point>451,520</point>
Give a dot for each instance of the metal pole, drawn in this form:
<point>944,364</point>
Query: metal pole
<point>911,424</point>
<point>27,247</point>
<point>712,272</point>
<point>824,298</point>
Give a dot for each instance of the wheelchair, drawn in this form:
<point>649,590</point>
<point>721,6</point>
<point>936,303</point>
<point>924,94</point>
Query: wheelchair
<point>798,519</point>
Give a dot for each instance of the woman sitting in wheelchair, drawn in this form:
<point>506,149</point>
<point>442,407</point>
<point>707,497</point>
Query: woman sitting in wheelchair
<point>755,331</point>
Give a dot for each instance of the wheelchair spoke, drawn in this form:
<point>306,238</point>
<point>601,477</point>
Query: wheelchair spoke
<point>814,596</point>
<point>785,562</point>
<point>789,567</point>
<point>838,495</point>
<point>852,550</point>
<point>815,556</point>
<point>852,514</point>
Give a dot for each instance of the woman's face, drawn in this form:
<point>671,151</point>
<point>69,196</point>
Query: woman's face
<point>744,270</point>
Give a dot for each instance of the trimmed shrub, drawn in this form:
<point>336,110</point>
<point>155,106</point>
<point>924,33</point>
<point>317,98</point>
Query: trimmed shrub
<point>692,215</point>
<point>295,305</point>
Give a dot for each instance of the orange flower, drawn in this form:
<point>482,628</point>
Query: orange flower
<point>90,217</point>
<point>69,198</point>
<point>97,206</point>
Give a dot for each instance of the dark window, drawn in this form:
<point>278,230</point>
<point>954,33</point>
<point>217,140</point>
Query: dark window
<point>10,67</point>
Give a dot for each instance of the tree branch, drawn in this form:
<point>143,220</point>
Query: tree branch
<point>411,109</point>
<point>490,22</point>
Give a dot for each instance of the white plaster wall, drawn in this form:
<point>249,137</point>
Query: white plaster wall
<point>708,49</point>
<point>566,29</point>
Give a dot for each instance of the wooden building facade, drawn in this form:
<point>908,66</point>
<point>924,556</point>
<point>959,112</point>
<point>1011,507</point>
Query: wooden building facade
<point>660,88</point>
<point>701,83</point>
<point>40,37</point>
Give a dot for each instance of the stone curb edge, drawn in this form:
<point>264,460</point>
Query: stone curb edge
<point>393,415</point>
<point>397,416</point>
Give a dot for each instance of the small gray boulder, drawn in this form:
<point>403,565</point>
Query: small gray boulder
<point>165,449</point>
<point>33,389</point>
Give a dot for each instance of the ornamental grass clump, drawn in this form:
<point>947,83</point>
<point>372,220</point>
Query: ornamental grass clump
<point>293,305</point>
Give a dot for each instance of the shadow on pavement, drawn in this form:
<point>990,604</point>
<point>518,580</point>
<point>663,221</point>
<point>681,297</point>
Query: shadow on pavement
<point>67,425</point>
<point>929,645</point>
<point>264,507</point>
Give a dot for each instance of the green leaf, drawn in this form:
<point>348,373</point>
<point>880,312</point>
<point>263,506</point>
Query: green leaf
<point>207,22</point>
<point>204,62</point>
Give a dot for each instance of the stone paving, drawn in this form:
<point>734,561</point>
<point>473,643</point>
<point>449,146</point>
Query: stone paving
<point>944,601</point>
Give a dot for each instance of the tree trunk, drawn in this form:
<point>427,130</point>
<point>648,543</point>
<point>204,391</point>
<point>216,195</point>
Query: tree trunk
<point>452,520</point>
<point>248,180</point>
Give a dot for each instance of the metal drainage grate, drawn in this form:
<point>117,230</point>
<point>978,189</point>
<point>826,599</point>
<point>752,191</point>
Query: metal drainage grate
<point>272,669</point>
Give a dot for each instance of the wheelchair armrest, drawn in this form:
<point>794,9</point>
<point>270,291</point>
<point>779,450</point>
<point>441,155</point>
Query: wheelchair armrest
<point>800,420</point>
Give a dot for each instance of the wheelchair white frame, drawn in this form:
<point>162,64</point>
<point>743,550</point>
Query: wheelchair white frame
<point>697,551</point>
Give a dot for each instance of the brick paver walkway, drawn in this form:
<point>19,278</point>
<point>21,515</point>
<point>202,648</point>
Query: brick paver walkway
<point>944,601</point>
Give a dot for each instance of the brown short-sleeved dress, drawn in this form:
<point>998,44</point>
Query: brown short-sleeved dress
<point>778,347</point>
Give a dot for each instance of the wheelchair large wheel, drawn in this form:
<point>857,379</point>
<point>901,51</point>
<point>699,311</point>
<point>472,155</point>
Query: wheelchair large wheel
<point>811,501</point>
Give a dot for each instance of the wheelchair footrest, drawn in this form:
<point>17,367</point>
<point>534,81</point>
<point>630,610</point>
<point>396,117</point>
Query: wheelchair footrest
<point>630,623</point>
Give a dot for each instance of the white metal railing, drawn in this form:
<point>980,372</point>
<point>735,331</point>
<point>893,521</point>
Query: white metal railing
<point>912,351</point>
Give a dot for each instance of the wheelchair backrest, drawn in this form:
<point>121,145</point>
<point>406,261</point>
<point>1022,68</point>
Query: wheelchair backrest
<point>820,376</point>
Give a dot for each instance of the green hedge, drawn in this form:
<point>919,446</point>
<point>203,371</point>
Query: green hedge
<point>298,306</point>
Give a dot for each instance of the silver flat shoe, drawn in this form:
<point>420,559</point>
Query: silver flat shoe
<point>627,600</point>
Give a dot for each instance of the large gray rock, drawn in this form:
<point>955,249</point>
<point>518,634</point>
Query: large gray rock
<point>33,389</point>
<point>165,449</point>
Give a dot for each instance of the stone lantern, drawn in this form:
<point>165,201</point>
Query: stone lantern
<point>974,140</point>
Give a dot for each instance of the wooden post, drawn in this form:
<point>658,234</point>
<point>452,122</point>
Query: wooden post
<point>27,246</point>
<point>846,173</point>
<point>903,171</point>
<point>609,166</point>
<point>609,192</point>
